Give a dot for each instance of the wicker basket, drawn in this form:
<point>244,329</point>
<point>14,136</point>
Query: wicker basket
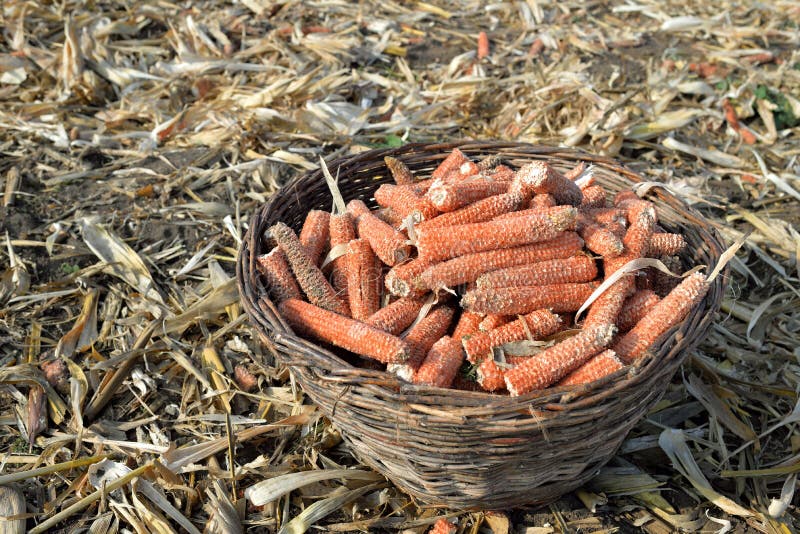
<point>473,450</point>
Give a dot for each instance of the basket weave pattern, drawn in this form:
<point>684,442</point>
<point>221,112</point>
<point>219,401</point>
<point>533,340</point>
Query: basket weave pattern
<point>462,449</point>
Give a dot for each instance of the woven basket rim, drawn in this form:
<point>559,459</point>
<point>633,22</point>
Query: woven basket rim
<point>425,398</point>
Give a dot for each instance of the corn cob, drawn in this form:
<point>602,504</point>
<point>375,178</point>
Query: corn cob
<point>551,211</point>
<point>599,239</point>
<point>441,364</point>
<point>466,170</point>
<point>579,268</point>
<point>493,320</point>
<point>420,338</point>
<point>469,267</point>
<point>467,325</point>
<point>314,234</point>
<point>400,172</point>
<point>344,332</point>
<point>443,526</point>
<point>540,177</point>
<point>601,365</point>
<point>665,244</point>
<point>543,200</point>
<point>389,244</point>
<point>397,316</point>
<point>482,210</point>
<point>452,162</point>
<point>280,281</point>
<point>607,216</point>
<point>389,216</point>
<point>635,308</point>
<point>606,308</point>
<point>450,197</point>
<point>670,311</point>
<point>632,204</point>
<point>638,235</point>
<point>342,231</point>
<point>594,196</point>
<point>435,244</point>
<point>559,298</point>
<point>490,376</point>
<point>554,363</point>
<point>403,280</point>
<point>501,173</point>
<point>539,324</point>
<point>364,279</point>
<point>308,275</point>
<point>576,171</point>
<point>404,202</point>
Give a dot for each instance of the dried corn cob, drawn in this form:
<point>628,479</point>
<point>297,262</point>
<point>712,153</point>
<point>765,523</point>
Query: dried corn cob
<point>542,178</point>
<point>389,216</point>
<point>551,211</point>
<point>482,210</point>
<point>538,324</point>
<point>594,196</point>
<point>443,526</point>
<point>452,162</point>
<point>490,376</point>
<point>670,311</point>
<point>576,171</point>
<point>607,216</point>
<point>387,243</point>
<point>420,338</point>
<point>441,364</point>
<point>559,298</point>
<point>606,308</point>
<point>501,173</point>
<point>493,320</point>
<point>280,281</point>
<point>405,203</point>
<point>469,267</point>
<point>344,332</point>
<point>342,230</point>
<point>635,308</point>
<point>314,234</point>
<point>397,316</point>
<point>400,172</point>
<point>543,200</point>
<point>632,204</point>
<point>579,268</point>
<point>554,363</point>
<point>641,229</point>
<point>450,197</point>
<point>601,365</point>
<point>665,244</point>
<point>599,239</point>
<point>436,244</point>
<point>404,279</point>
<point>467,325</point>
<point>308,275</point>
<point>466,170</point>
<point>364,279</point>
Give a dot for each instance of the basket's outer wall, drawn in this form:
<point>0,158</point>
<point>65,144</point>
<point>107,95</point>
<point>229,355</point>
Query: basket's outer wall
<point>474,450</point>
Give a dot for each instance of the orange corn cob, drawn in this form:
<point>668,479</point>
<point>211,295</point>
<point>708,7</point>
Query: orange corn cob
<point>364,280</point>
<point>344,332</point>
<point>543,200</point>
<point>452,162</point>
<point>599,239</point>
<point>539,323</point>
<point>490,376</point>
<point>443,526</point>
<point>632,204</point>
<point>513,361</point>
<point>554,363</point>
<point>482,210</point>
<point>466,170</point>
<point>308,275</point>
<point>389,244</point>
<point>404,279</point>
<point>280,281</point>
<point>435,244</point>
<point>342,231</point>
<point>576,171</point>
<point>601,365</point>
<point>397,316</point>
<point>404,202</point>
<point>635,308</point>
<point>450,197</point>
<point>594,196</point>
<point>314,234</point>
<point>469,267</point>
<point>400,172</point>
<point>638,235</point>
<point>579,268</point>
<point>389,216</point>
<point>483,45</point>
<point>420,338</point>
<point>670,311</point>
<point>501,173</point>
<point>551,211</point>
<point>664,244</point>
<point>441,364</point>
<point>560,298</point>
<point>606,308</point>
<point>540,177</point>
<point>467,325</point>
<point>607,216</point>
<point>494,320</point>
